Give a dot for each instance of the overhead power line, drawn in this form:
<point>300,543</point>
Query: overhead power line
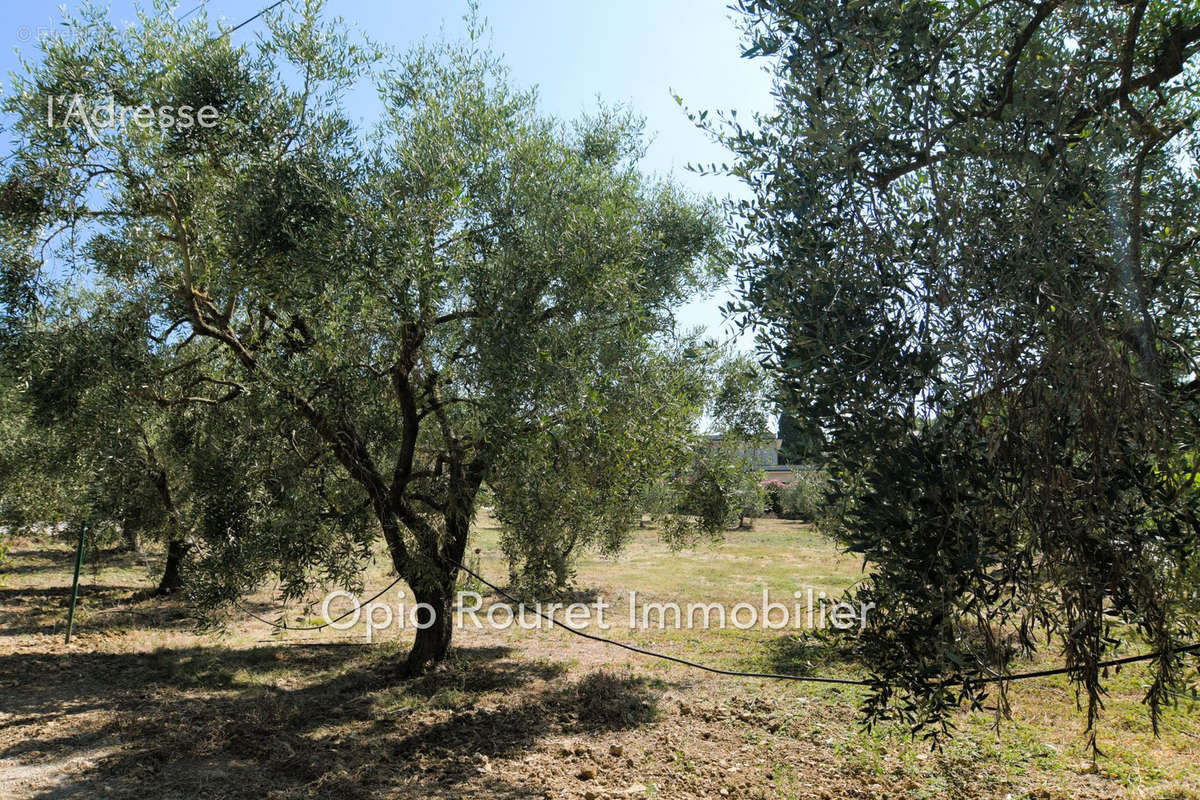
<point>248,20</point>
<point>194,9</point>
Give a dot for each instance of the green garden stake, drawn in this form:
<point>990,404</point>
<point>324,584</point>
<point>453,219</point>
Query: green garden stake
<point>75,581</point>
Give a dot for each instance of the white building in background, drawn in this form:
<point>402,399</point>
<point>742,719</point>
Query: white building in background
<point>764,454</point>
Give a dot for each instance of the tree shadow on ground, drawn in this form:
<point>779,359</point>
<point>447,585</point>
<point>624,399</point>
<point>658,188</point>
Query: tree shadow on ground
<point>295,721</point>
<point>102,608</point>
<point>115,593</point>
<point>802,654</point>
<point>35,561</point>
<point>59,559</point>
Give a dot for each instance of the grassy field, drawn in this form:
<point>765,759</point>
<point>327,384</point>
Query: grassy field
<point>140,705</point>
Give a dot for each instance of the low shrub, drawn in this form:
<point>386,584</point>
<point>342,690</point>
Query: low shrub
<point>804,498</point>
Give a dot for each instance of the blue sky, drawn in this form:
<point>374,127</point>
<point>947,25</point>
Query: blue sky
<point>574,51</point>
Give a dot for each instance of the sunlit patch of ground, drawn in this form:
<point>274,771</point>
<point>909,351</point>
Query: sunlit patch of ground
<point>140,706</point>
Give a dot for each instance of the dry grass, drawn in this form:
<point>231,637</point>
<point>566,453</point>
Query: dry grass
<point>140,706</point>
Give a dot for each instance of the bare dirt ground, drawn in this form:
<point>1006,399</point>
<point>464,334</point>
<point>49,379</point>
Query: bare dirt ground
<point>141,706</point>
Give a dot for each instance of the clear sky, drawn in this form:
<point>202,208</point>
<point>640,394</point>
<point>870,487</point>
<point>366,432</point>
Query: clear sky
<point>637,52</point>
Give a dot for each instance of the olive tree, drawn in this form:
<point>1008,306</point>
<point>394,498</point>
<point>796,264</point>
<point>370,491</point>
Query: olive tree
<point>971,257</point>
<point>92,439</point>
<point>724,481</point>
<point>407,306</point>
<point>578,484</point>
<point>589,480</point>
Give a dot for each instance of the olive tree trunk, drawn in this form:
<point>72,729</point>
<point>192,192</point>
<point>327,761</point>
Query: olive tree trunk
<point>434,593</point>
<point>172,579</point>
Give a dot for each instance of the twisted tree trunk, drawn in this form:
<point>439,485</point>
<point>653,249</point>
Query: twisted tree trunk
<point>434,590</point>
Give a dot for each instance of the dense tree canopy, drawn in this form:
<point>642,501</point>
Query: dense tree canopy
<point>586,480</point>
<point>381,320</point>
<point>85,440</point>
<point>972,254</point>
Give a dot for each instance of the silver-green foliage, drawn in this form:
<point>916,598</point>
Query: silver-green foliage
<point>396,314</point>
<point>972,256</point>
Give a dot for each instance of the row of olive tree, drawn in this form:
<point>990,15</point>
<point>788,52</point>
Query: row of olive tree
<point>588,482</point>
<point>102,430</point>
<point>79,449</point>
<point>340,334</point>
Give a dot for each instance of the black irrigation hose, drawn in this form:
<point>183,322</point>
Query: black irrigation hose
<point>1116,662</point>
<point>1044,673</point>
<point>286,627</point>
<point>663,656</point>
<point>1192,648</point>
